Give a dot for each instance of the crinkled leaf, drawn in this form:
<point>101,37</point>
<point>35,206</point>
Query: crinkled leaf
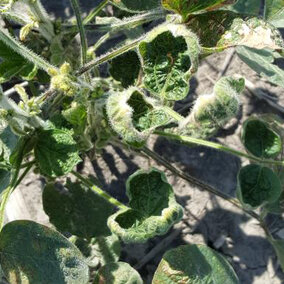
<point>278,246</point>
<point>169,57</point>
<point>136,6</point>
<point>32,253</point>
<point>258,185</point>
<point>187,7</point>
<point>262,62</point>
<point>56,152</point>
<point>117,273</point>
<point>100,250</point>
<point>196,264</point>
<point>260,139</point>
<point>125,68</point>
<point>77,209</point>
<point>153,208</point>
<point>274,12</point>
<point>245,7</point>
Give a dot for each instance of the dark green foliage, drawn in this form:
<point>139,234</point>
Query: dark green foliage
<point>136,6</point>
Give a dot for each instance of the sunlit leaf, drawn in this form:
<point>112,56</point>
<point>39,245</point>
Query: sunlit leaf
<point>274,12</point>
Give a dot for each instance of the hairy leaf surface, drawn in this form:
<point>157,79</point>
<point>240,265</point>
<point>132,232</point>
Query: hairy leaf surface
<point>32,253</point>
<point>153,208</point>
<point>274,12</point>
<point>258,185</point>
<point>136,6</point>
<point>196,264</point>
<point>76,209</point>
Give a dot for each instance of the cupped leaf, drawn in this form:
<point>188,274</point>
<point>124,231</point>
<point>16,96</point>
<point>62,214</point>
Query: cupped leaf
<point>260,139</point>
<point>56,152</point>
<point>76,209</point>
<point>125,68</point>
<point>136,6</point>
<point>187,7</point>
<point>169,56</point>
<point>117,273</point>
<point>257,186</point>
<point>196,264</point>
<point>153,208</point>
<point>32,253</point>
<point>274,12</point>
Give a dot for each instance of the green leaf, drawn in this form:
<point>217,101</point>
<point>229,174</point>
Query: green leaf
<point>187,7</point>
<point>196,264</point>
<point>153,208</point>
<point>260,139</point>
<point>261,61</point>
<point>100,250</point>
<point>76,209</point>
<point>5,178</point>
<point>245,7</point>
<point>278,246</point>
<point>76,115</point>
<point>276,207</point>
<point>169,57</point>
<point>125,68</point>
<point>136,6</point>
<point>56,152</point>
<point>257,186</point>
<point>32,253</point>
<point>8,143</point>
<point>117,273</point>
<point>274,12</point>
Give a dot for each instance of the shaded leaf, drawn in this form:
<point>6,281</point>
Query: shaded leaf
<point>76,114</point>
<point>153,208</point>
<point>8,142</point>
<point>77,209</point>
<point>5,177</point>
<point>117,273</point>
<point>196,264</point>
<point>274,12</point>
<point>245,7</point>
<point>276,207</point>
<point>169,57</point>
<point>260,139</point>
<point>258,185</point>
<point>32,253</point>
<point>56,152</point>
<point>136,6</point>
<point>278,246</point>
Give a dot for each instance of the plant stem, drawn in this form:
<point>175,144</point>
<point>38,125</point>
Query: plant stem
<point>95,12</point>
<point>173,113</point>
<point>100,192</point>
<point>190,140</point>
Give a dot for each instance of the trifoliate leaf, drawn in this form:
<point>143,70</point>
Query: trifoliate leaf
<point>56,152</point>
<point>278,246</point>
<point>169,56</point>
<point>77,209</point>
<point>32,253</point>
<point>187,7</point>
<point>196,264</point>
<point>258,185</point>
<point>136,6</point>
<point>274,12</point>
<point>125,68</point>
<point>260,139</point>
<point>153,208</point>
<point>117,273</point>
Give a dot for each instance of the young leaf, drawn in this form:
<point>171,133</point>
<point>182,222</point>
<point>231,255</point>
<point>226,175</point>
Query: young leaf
<point>196,264</point>
<point>125,68</point>
<point>260,139</point>
<point>153,208</point>
<point>257,186</point>
<point>169,56</point>
<point>278,246</point>
<point>33,253</point>
<point>136,6</point>
<point>274,12</point>
<point>187,7</point>
<point>76,209</point>
<point>117,273</point>
<point>56,152</point>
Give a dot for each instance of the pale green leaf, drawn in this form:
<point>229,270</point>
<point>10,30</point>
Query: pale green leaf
<point>274,12</point>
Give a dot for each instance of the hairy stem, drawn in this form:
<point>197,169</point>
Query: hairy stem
<point>95,12</point>
<point>99,191</point>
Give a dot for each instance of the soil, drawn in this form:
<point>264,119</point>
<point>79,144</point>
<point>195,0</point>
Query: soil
<point>208,219</point>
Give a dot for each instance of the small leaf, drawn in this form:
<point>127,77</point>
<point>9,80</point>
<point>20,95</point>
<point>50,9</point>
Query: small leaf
<point>260,139</point>
<point>56,152</point>
<point>274,12</point>
<point>117,273</point>
<point>136,6</point>
<point>32,253</point>
<point>125,68</point>
<point>77,210</point>
<point>196,264</point>
<point>258,185</point>
<point>76,115</point>
<point>169,57</point>
<point>187,7</point>
<point>262,62</point>
<point>153,208</point>
<point>278,246</point>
